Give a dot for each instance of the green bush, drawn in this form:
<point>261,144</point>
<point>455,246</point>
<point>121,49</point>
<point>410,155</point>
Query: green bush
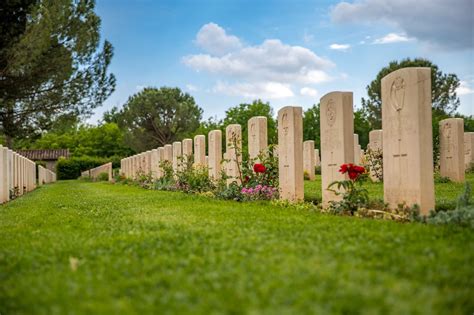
<point>71,168</point>
<point>463,215</point>
<point>103,177</point>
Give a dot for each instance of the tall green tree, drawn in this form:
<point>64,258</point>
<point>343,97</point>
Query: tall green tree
<point>311,125</point>
<point>106,140</point>
<point>443,91</point>
<point>51,64</point>
<point>241,114</point>
<point>155,117</point>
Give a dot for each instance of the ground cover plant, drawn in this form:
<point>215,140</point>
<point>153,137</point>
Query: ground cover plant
<point>87,248</point>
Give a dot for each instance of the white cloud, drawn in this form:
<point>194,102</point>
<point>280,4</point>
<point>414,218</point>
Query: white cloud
<point>391,38</point>
<point>266,90</point>
<point>442,23</point>
<point>192,88</point>
<point>340,47</point>
<point>270,61</point>
<point>307,91</point>
<point>464,88</point>
<point>214,39</point>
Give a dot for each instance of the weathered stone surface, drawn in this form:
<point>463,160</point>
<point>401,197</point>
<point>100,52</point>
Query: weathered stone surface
<point>177,156</point>
<point>468,150</point>
<point>161,158</point>
<point>215,154</point>
<point>290,151</point>
<point>337,140</point>
<point>317,159</point>
<point>4,186</point>
<point>356,149</point>
<point>308,158</point>
<point>234,152</point>
<point>154,161</point>
<point>200,150</point>
<point>451,149</point>
<point>376,139</point>
<point>407,138</point>
<point>257,136</point>
<point>187,146</point>
<point>168,152</point>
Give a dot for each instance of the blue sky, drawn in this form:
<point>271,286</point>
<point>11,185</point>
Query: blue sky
<point>285,52</point>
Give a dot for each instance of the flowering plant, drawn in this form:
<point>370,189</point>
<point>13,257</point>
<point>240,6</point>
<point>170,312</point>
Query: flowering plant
<point>353,196</point>
<point>259,192</point>
<point>354,171</point>
<point>259,168</point>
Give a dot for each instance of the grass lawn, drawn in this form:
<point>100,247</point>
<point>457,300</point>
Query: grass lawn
<point>445,193</point>
<point>97,248</point>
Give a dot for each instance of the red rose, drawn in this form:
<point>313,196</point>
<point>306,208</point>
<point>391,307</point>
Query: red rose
<point>343,168</point>
<point>353,175</point>
<point>259,168</point>
<point>359,169</point>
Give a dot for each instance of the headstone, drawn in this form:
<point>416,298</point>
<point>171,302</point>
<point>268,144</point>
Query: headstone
<point>407,139</point>
<point>317,159</point>
<point>337,140</point>
<point>200,150</point>
<point>376,139</point>
<point>177,156</point>
<point>290,151</point>
<point>451,149</point>
<point>468,150</point>
<point>234,152</point>
<point>187,145</point>
<point>356,149</point>
<point>168,152</point>
<point>215,154</point>
<point>154,163</point>
<point>308,158</point>
<point>161,158</point>
<point>4,186</point>
<point>147,162</point>
<point>257,136</point>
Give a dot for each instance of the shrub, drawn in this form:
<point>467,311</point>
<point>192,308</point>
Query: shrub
<point>463,215</point>
<point>441,179</point>
<point>353,195</point>
<point>374,163</point>
<point>103,177</point>
<point>71,168</point>
<point>192,179</point>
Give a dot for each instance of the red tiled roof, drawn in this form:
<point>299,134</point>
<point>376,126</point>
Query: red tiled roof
<point>44,155</point>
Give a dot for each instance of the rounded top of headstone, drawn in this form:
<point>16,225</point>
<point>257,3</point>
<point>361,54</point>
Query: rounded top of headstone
<point>451,120</point>
<point>199,136</point>
<point>334,93</point>
<point>408,71</point>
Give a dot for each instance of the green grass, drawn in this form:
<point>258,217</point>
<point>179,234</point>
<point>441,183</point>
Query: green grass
<point>151,252</point>
<point>446,193</point>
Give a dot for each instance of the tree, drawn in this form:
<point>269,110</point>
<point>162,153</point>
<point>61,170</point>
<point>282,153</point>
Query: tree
<point>106,140</point>
<point>155,117</point>
<point>50,64</point>
<point>443,91</point>
<point>361,127</point>
<point>311,125</point>
<point>242,113</point>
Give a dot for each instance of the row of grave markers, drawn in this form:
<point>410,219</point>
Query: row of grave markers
<point>406,142</point>
<point>18,174</point>
<point>178,153</point>
<point>95,172</point>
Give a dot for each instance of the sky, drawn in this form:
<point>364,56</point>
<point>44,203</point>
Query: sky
<point>224,53</point>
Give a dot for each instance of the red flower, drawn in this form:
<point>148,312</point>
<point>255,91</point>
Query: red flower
<point>259,168</point>
<point>352,170</point>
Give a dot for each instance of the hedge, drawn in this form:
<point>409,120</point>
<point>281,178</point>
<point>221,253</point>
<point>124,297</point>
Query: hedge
<point>71,168</point>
